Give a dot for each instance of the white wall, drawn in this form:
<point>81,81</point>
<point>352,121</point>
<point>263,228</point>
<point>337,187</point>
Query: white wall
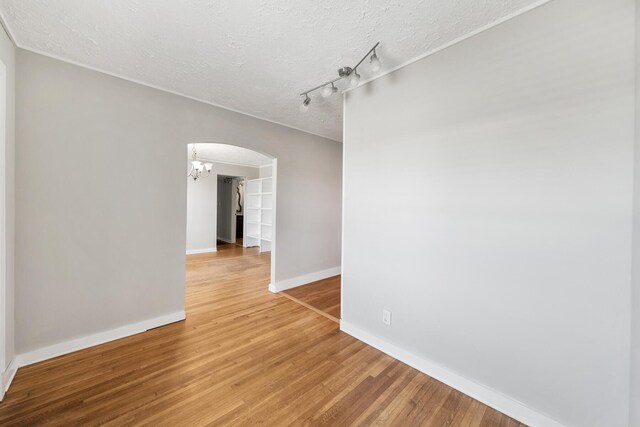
<point>511,154</point>
<point>101,198</point>
<point>201,205</point>
<point>7,61</point>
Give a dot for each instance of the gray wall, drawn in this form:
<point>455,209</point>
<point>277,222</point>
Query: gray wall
<point>201,204</point>
<point>635,290</point>
<point>511,155</point>
<point>7,56</point>
<point>101,198</point>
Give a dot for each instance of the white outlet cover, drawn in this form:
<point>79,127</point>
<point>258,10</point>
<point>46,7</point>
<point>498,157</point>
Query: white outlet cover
<point>386,317</point>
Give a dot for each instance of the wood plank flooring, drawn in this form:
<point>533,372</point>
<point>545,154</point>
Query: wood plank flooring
<point>242,357</point>
<point>323,295</point>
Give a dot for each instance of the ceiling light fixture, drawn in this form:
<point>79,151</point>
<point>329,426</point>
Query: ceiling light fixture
<point>305,104</point>
<point>198,167</point>
<point>351,73</point>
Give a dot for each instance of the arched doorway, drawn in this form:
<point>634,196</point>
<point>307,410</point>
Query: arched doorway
<point>231,201</point>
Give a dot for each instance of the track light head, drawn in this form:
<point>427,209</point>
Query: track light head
<point>327,91</point>
<point>374,61</point>
<point>345,71</point>
<point>304,107</point>
<point>354,78</point>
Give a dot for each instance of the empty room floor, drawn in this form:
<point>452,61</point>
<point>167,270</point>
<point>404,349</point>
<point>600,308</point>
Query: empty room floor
<point>322,296</point>
<point>243,356</point>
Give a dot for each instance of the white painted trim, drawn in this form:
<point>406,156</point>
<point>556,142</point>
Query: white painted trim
<point>453,42</point>
<point>3,216</point>
<point>222,239</point>
<point>480,392</point>
<point>246,165</point>
<point>294,282</point>
<point>7,377</point>
<point>274,217</point>
<point>342,214</point>
<point>4,24</point>
<point>201,251</point>
<point>66,347</point>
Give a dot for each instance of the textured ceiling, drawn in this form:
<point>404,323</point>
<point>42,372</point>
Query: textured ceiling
<point>253,56</point>
<point>229,154</point>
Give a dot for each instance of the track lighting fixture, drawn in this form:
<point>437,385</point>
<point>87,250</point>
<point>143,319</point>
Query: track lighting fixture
<point>329,88</point>
<point>305,104</point>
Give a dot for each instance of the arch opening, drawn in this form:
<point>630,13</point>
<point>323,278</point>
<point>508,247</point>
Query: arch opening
<point>231,202</point>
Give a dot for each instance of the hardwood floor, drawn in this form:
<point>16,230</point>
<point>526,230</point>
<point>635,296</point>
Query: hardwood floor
<point>243,356</point>
<point>323,296</point>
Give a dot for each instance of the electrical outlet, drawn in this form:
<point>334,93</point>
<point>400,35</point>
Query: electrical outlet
<point>386,317</point>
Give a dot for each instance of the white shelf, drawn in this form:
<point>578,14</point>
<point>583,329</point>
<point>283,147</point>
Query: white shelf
<point>259,224</point>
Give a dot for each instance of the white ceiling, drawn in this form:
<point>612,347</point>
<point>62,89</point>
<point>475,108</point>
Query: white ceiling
<point>253,56</point>
<point>229,154</point>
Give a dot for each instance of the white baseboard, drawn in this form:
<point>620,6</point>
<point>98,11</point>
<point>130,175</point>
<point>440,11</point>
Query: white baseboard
<point>201,251</point>
<point>100,338</point>
<point>294,282</point>
<point>7,377</point>
<point>484,394</point>
<point>225,240</point>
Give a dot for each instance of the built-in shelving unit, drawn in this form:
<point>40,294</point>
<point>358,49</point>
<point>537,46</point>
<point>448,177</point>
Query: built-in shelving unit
<point>259,213</point>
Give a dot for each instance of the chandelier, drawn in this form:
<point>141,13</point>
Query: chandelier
<point>198,167</point>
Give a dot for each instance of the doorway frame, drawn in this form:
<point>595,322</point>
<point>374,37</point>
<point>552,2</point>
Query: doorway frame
<point>274,177</point>
<point>233,226</point>
<point>3,227</point>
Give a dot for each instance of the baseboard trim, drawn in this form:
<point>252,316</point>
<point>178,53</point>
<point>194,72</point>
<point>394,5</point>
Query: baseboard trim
<point>484,394</point>
<point>201,251</point>
<point>294,282</point>
<point>7,377</point>
<point>66,347</point>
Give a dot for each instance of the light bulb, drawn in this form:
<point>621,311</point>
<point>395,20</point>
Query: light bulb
<point>208,166</point>
<point>375,63</point>
<point>327,91</point>
<point>304,107</point>
<point>354,79</point>
<point>196,164</point>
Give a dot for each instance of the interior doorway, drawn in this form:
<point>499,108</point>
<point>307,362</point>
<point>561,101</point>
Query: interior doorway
<point>231,202</point>
<point>230,209</point>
